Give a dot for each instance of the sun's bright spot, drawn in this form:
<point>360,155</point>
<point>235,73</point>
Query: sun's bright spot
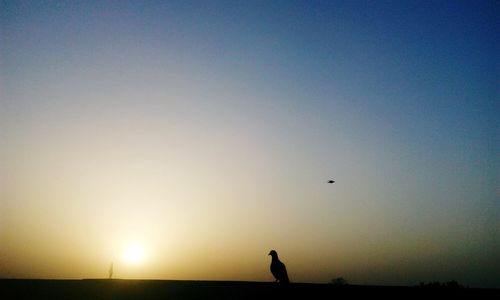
<point>133,254</point>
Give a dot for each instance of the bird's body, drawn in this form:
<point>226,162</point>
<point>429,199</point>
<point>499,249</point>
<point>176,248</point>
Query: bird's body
<point>331,181</point>
<point>278,268</point>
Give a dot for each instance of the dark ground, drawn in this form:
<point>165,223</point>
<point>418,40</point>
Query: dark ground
<point>173,289</point>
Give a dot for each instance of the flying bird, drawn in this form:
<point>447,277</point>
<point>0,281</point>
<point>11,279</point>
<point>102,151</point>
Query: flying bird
<point>331,181</point>
<point>278,268</point>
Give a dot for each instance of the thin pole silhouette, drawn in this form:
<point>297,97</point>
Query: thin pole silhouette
<point>110,271</point>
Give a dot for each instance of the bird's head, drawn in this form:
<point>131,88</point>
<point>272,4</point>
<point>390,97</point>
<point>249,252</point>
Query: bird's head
<point>273,253</point>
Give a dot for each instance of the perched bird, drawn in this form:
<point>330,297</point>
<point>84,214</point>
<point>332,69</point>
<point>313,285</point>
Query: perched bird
<point>278,268</point>
<point>331,181</point>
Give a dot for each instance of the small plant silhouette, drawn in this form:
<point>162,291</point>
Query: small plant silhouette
<point>339,281</point>
<point>453,284</point>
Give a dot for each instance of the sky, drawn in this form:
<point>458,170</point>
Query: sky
<point>200,135</point>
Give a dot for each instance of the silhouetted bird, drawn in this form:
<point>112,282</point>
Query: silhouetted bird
<point>331,181</point>
<point>278,268</point>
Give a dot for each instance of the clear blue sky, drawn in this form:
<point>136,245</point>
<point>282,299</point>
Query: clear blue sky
<point>122,117</point>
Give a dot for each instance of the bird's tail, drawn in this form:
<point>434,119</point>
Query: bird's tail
<point>285,279</point>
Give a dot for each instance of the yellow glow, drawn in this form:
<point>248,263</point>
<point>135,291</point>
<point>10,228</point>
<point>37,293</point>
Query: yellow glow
<point>133,254</point>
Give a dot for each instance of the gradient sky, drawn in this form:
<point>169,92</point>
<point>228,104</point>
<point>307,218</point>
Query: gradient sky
<point>205,133</point>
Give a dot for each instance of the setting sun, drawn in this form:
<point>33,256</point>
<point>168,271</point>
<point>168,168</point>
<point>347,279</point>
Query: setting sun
<point>133,254</point>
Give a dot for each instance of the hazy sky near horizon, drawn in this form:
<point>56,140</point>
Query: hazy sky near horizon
<point>204,132</point>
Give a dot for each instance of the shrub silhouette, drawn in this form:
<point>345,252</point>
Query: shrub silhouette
<point>339,281</point>
<point>453,284</point>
